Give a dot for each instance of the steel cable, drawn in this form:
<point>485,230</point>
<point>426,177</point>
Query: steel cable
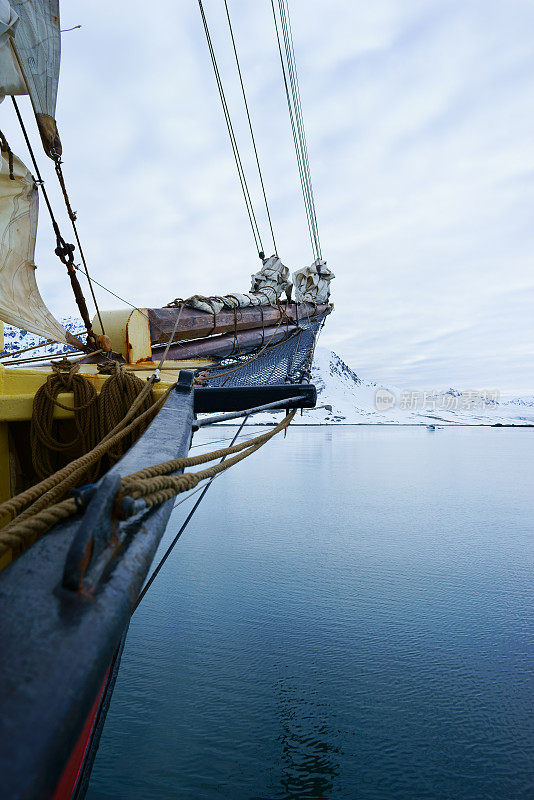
<point>250,126</point>
<point>294,105</point>
<point>233,141</point>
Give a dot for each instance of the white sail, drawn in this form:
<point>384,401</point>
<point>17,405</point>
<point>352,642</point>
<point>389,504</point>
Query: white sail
<point>11,79</point>
<point>37,44</point>
<point>20,301</point>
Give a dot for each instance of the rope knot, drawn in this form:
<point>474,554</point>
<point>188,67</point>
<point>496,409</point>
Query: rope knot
<point>65,251</point>
<point>64,374</point>
<point>110,368</point>
<point>63,366</point>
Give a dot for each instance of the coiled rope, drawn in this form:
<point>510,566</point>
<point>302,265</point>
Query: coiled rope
<point>116,398</point>
<point>50,453</point>
<point>95,416</point>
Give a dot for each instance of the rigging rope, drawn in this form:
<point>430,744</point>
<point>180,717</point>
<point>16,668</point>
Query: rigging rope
<point>184,525</point>
<point>290,53</point>
<point>63,250</point>
<point>109,291</point>
<point>60,241</point>
<point>46,357</point>
<point>12,353</point>
<point>155,485</point>
<point>289,73</point>
<point>72,217</point>
<point>250,126</point>
<point>166,351</point>
<point>233,141</point>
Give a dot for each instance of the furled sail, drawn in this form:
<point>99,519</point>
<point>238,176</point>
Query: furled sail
<point>267,286</point>
<point>272,279</point>
<point>37,44</point>
<point>20,301</point>
<point>312,284</point>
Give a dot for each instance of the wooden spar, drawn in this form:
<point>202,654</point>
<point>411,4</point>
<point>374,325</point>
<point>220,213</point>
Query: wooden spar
<point>197,324</point>
<point>226,344</point>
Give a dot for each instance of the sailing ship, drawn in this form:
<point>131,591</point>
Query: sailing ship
<point>94,445</point>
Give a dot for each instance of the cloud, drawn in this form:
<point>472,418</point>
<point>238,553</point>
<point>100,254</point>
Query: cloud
<point>418,120</point>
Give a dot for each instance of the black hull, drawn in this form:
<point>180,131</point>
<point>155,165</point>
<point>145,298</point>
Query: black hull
<point>56,645</point>
<point>63,628</point>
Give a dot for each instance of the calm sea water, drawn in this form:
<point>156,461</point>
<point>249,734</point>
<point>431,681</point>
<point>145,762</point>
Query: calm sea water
<point>349,615</point>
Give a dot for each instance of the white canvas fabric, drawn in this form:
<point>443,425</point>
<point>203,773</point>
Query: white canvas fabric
<point>11,79</point>
<point>312,284</point>
<point>37,44</point>
<point>215,304</point>
<point>273,275</point>
<point>267,286</point>
<point>20,301</point>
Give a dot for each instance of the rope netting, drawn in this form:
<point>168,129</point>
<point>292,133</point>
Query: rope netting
<point>288,361</point>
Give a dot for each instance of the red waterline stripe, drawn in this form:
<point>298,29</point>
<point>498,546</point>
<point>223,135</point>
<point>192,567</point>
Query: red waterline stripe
<point>71,773</point>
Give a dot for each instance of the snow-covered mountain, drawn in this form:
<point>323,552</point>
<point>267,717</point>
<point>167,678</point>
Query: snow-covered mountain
<point>16,339</point>
<point>343,398</point>
<point>346,399</point>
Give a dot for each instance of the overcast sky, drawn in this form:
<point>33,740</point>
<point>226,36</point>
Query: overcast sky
<point>419,117</point>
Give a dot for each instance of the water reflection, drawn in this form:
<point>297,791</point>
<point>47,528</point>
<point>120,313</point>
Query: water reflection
<point>310,759</point>
<point>347,616</point>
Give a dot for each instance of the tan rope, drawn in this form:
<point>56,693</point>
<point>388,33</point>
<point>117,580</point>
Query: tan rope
<point>195,461</point>
<point>59,484</point>
<point>95,416</point>
<point>154,484</point>
<point>55,486</point>
<point>117,397</point>
<point>29,530</point>
<point>49,452</point>
<point>163,487</point>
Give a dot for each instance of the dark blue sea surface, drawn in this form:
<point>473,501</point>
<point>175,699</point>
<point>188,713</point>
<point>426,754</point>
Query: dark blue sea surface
<point>348,615</point>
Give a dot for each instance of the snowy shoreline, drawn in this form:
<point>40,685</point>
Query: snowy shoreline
<point>343,398</point>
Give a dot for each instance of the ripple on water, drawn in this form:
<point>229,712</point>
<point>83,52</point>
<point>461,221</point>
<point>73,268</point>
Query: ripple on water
<point>349,616</point>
